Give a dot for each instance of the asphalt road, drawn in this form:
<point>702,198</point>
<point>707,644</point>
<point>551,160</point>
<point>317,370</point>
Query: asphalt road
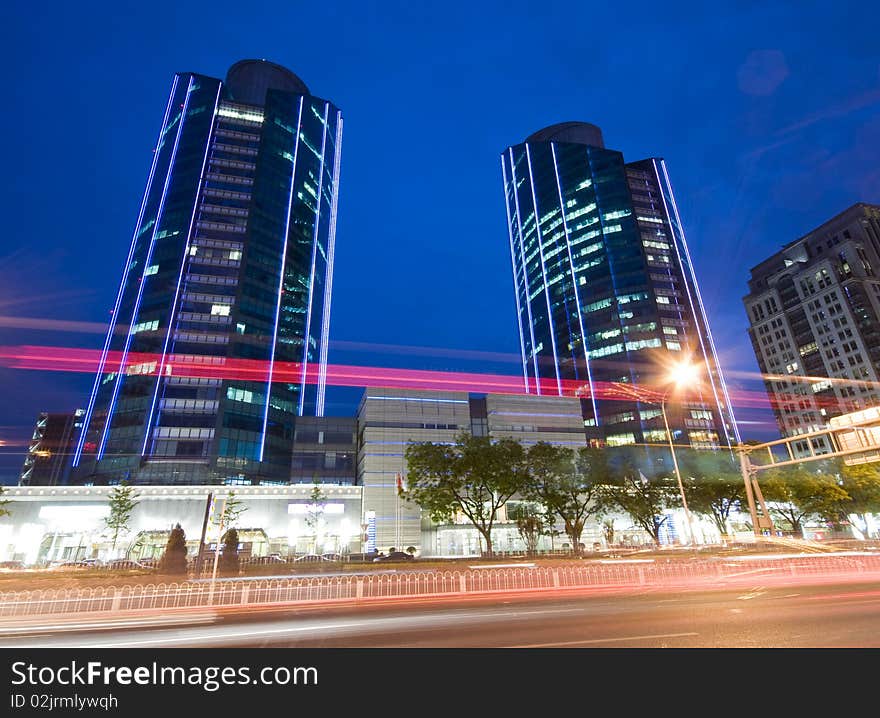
<point>834,614</point>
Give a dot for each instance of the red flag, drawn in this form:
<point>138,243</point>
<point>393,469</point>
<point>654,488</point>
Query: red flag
<point>399,484</point>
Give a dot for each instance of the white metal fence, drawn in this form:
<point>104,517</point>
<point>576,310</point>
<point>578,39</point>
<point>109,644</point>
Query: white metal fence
<point>430,583</point>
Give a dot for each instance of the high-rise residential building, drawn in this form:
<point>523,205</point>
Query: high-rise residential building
<point>814,322</point>
<point>47,462</point>
<point>231,263</point>
<point>606,294</point>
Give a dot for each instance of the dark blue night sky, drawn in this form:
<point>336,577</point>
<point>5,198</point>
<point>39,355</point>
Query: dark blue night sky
<point>768,115</point>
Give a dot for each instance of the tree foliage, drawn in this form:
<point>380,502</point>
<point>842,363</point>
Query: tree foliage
<point>643,497</point>
<point>531,523</point>
<point>861,482</point>
<point>4,503</point>
<point>567,484</point>
<point>713,484</point>
<point>317,504</point>
<point>475,476</point>
<point>795,493</point>
<point>122,501</point>
<point>173,561</point>
<point>229,561</point>
<point>232,509</point>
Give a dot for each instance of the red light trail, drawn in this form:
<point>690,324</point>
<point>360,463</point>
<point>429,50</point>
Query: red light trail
<point>50,358</point>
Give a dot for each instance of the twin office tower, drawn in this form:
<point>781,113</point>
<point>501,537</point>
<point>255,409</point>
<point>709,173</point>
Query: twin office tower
<point>231,263</point>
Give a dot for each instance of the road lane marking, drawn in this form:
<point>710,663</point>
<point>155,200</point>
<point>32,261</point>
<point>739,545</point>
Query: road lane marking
<point>606,640</point>
<point>754,593</point>
<point>223,636</point>
<point>157,622</point>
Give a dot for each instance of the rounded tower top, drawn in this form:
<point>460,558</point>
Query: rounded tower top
<point>578,133</point>
<point>248,80</point>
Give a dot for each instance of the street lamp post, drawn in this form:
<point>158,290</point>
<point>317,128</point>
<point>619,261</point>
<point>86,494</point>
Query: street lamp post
<point>682,373</point>
<point>684,502</point>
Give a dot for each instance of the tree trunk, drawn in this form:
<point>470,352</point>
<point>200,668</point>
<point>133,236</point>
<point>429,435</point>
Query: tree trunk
<point>721,525</point>
<point>487,536</point>
<point>575,535</point>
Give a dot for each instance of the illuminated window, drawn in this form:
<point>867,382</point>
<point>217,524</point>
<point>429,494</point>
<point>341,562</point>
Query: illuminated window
<point>220,310</point>
<point>620,439</point>
<point>605,351</point>
<point>145,326</point>
<point>642,344</point>
<point>235,254</point>
<point>655,435</point>
<point>152,269</point>
<point>596,306</point>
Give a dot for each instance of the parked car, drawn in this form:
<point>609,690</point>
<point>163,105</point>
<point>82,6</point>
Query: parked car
<point>332,556</point>
<point>393,556</point>
<point>263,560</point>
<point>69,565</point>
<point>12,565</point>
<point>123,564</point>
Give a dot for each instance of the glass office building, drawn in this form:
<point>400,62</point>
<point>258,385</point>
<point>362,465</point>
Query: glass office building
<point>606,296</point>
<point>230,267</point>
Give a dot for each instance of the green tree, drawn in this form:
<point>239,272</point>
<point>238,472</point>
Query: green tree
<point>474,476</point>
<point>713,485</point>
<point>794,493</point>
<point>643,497</point>
<point>229,561</point>
<point>862,484</point>
<point>122,501</point>
<point>173,561</point>
<point>4,503</point>
<point>608,530</point>
<point>232,509</point>
<point>567,484</point>
<point>531,523</point>
<point>318,502</point>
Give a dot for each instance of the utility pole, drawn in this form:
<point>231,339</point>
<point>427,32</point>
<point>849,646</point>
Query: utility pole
<point>220,509</point>
<point>684,502</point>
<point>204,531</point>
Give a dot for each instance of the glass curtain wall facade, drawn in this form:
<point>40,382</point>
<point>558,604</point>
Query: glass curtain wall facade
<point>605,291</point>
<point>231,266</point>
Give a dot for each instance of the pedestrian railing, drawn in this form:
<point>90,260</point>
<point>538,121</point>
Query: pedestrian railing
<point>361,587</point>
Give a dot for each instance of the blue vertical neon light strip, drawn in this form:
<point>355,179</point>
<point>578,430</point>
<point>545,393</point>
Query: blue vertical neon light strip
<point>143,281</point>
<point>281,281</point>
<point>328,276</point>
<point>550,324</point>
<point>522,255</point>
<point>574,284</point>
<point>522,344</point>
<point>88,415</point>
<point>305,360</point>
<point>183,261</point>
<point>702,309</point>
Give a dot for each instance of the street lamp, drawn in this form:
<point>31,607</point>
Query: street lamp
<point>683,373</point>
